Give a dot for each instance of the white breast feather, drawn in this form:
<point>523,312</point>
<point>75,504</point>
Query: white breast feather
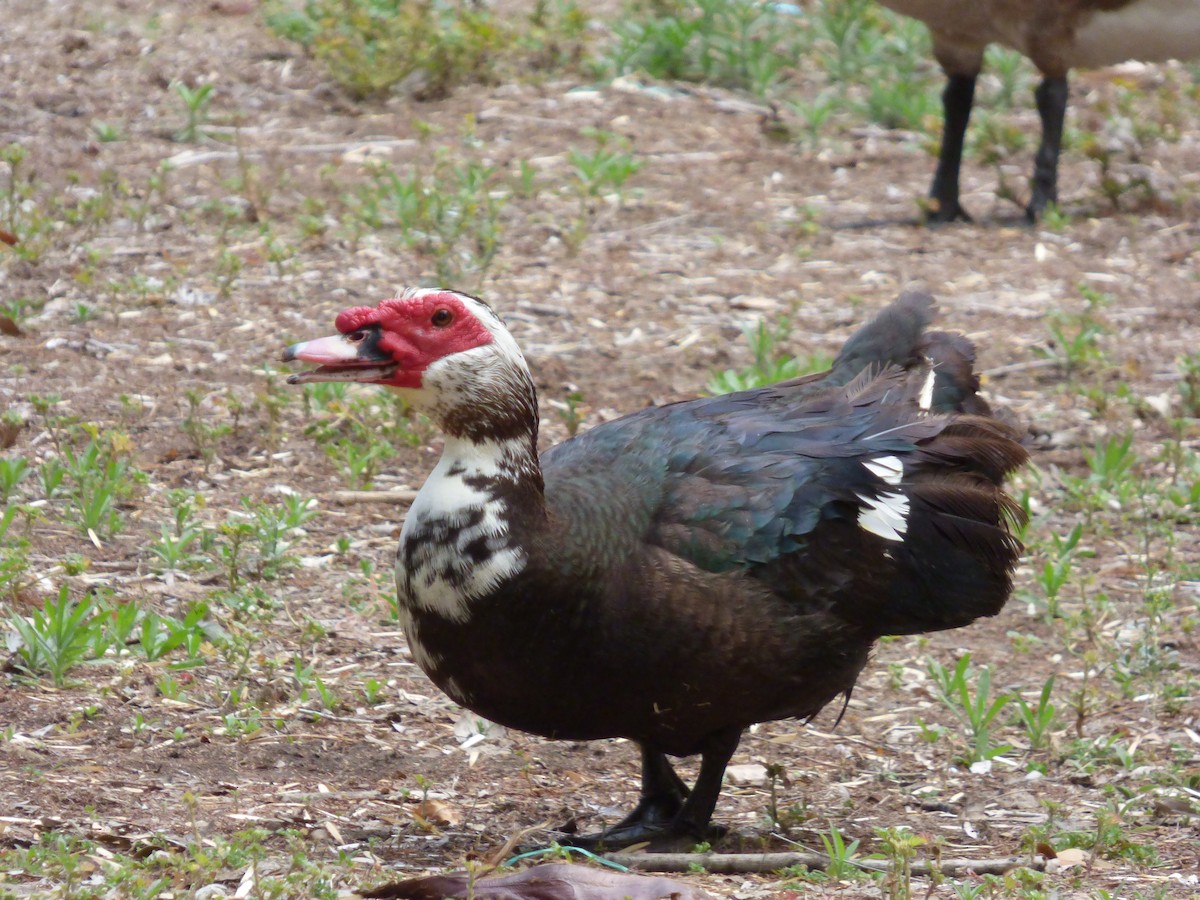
<point>442,578</point>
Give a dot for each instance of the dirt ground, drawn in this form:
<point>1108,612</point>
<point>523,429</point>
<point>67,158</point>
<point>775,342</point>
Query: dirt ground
<point>721,225</point>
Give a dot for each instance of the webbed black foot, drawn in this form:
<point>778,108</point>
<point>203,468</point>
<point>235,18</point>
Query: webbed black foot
<point>942,212</point>
<point>669,816</point>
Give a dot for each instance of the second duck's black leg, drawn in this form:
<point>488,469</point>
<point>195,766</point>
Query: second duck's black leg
<point>1051,98</point>
<point>957,99</point>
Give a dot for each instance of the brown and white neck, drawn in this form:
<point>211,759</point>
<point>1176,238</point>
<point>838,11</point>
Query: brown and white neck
<point>464,534</point>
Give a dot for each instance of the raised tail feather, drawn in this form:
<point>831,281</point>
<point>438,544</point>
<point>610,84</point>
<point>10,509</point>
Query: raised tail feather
<point>897,337</point>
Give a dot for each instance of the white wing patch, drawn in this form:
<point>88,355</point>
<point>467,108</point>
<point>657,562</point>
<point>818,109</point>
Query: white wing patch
<point>885,515</point>
<point>889,468</point>
<point>925,401</point>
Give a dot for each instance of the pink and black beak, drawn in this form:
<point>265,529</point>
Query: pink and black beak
<point>355,356</point>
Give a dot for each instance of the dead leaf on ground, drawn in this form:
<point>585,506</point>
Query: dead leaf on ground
<point>438,812</point>
<point>556,881</point>
<point>1068,858</point>
<point>8,433</point>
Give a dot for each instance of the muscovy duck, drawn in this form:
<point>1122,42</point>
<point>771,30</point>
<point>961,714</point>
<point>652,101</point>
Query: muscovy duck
<point>681,573</point>
<point>1057,36</point>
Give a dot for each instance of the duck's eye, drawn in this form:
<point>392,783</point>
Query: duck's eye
<point>442,318</point>
<point>357,337</point>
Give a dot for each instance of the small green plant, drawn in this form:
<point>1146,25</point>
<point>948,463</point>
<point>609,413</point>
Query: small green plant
<point>59,636</point>
<point>21,216</point>
<point>841,855</point>
<point>172,549</point>
<point>1056,569</point>
<point>360,461</point>
<point>569,411</point>
<point>327,695</point>
<point>750,46</point>
<point>606,168</point>
<point>1189,384</point>
<point>255,539</point>
<point>119,621</point>
<point>237,534</point>
<point>847,38</point>
<point>13,156</point>
<point>373,691</point>
<point>14,555</point>
<point>105,132</point>
<point>1075,336</point>
<point>902,102</point>
<point>226,272</point>
<point>358,432</point>
<point>1039,719</point>
<point>12,471</point>
<point>1074,343</point>
<point>101,480</point>
<point>450,214</point>
<point>195,103</point>
<point>899,847</point>
<point>770,364</point>
<point>1116,181</point>
<point>815,112</point>
<point>371,46</point>
<point>204,434</point>
<point>972,704</point>
<point>1111,461</point>
<point>275,528</point>
<point>19,310</point>
<point>50,474</point>
<point>159,635</point>
<point>235,726</point>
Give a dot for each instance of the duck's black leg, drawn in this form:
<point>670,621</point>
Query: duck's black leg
<point>693,820</point>
<point>957,98</point>
<point>663,793</point>
<point>663,796</point>
<point>1051,98</point>
<point>668,813</point>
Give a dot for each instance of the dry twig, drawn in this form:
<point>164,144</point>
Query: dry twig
<point>733,863</point>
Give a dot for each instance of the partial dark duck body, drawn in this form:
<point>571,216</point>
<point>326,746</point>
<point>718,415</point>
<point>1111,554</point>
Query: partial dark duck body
<point>681,573</point>
<point>1057,36</point>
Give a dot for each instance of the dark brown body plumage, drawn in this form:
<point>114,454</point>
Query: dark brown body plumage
<point>686,571</point>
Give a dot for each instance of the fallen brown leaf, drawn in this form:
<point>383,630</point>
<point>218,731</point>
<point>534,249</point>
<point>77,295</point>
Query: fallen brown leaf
<point>8,433</point>
<point>438,813</point>
<point>1073,856</point>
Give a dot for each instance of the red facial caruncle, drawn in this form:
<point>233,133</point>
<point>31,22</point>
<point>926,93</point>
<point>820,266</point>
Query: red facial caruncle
<point>395,342</point>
